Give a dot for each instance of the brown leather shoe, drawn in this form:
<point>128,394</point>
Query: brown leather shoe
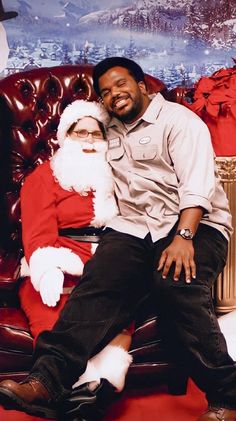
<point>30,396</point>
<point>218,414</point>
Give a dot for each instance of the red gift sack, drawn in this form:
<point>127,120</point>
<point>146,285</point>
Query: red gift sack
<point>215,103</point>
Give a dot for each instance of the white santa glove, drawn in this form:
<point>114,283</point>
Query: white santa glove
<point>51,286</point>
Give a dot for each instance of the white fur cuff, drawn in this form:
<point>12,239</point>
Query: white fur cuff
<point>90,375</point>
<point>46,258</point>
<point>112,363</point>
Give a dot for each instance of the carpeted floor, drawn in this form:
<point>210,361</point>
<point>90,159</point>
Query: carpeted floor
<point>147,405</point>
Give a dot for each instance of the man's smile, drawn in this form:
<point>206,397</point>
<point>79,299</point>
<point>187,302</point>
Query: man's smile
<point>120,102</point>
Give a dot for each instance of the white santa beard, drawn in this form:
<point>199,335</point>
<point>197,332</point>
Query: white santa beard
<point>81,171</point>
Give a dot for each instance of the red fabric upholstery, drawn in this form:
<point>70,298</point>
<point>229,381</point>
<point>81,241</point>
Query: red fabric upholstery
<point>215,103</point>
<point>30,106</point>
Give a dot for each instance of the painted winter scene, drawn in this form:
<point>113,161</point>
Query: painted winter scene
<point>174,40</point>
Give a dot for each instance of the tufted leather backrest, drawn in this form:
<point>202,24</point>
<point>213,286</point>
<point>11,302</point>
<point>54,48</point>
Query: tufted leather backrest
<point>31,103</point>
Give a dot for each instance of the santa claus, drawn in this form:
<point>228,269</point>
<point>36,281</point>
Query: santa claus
<point>62,200</point>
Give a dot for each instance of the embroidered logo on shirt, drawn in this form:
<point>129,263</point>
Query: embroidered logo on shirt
<point>145,140</point>
<point>114,143</point>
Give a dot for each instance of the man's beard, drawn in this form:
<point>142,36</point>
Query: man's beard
<point>133,112</point>
<point>78,170</point>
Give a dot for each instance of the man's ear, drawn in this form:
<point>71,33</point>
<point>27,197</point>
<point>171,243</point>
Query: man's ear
<point>142,87</point>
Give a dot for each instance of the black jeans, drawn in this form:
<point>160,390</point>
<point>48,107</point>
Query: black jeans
<point>120,273</point>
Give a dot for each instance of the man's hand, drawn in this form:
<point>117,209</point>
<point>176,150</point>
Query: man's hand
<point>51,286</point>
<point>181,253</point>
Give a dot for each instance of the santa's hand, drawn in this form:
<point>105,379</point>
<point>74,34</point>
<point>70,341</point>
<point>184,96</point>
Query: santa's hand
<point>51,286</point>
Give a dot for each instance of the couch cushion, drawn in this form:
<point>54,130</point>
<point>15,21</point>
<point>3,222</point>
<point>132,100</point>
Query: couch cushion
<point>16,343</point>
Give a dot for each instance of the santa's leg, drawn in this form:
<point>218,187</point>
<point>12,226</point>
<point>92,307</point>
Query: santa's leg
<point>111,363</point>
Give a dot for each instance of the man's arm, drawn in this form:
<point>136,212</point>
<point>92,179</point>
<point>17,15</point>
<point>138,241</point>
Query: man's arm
<point>181,252</point>
<point>191,152</point>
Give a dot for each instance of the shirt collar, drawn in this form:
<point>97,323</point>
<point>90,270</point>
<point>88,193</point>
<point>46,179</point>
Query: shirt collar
<point>151,113</point>
<point>154,108</point>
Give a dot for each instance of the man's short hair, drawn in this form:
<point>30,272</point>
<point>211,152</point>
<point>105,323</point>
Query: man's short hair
<point>106,64</point>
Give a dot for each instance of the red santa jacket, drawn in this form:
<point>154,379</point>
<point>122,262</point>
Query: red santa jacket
<point>45,208</point>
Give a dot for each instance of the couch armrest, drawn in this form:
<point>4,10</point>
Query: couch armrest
<point>9,269</point>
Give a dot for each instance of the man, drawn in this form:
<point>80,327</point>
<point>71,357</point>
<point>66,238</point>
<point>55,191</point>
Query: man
<point>171,235</point>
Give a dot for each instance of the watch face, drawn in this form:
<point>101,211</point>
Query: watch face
<point>186,233</point>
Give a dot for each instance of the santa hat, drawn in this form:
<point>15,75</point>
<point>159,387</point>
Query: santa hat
<point>77,110</point>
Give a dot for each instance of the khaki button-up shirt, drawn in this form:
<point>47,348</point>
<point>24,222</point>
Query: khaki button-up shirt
<point>162,164</point>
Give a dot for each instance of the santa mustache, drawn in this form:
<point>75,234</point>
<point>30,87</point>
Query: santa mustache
<point>80,146</point>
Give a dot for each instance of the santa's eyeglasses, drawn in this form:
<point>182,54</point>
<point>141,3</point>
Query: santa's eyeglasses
<point>83,134</point>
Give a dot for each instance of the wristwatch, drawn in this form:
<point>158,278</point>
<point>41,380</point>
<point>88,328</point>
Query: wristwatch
<point>185,233</point>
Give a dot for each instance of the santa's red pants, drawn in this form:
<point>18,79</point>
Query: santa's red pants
<point>40,316</point>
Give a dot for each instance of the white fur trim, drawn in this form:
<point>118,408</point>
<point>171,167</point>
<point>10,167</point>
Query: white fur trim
<point>105,209</point>
<point>46,258</point>
<point>89,375</point>
<point>77,110</point>
<point>112,363</point>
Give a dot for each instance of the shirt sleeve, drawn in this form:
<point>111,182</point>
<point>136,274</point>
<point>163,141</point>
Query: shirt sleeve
<point>38,213</point>
<point>192,155</point>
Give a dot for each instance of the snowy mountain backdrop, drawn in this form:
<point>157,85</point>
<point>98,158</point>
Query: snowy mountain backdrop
<point>212,21</point>
<point>167,37</point>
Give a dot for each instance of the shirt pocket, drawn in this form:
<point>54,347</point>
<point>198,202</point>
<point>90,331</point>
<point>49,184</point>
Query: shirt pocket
<point>144,153</point>
<point>115,153</point>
